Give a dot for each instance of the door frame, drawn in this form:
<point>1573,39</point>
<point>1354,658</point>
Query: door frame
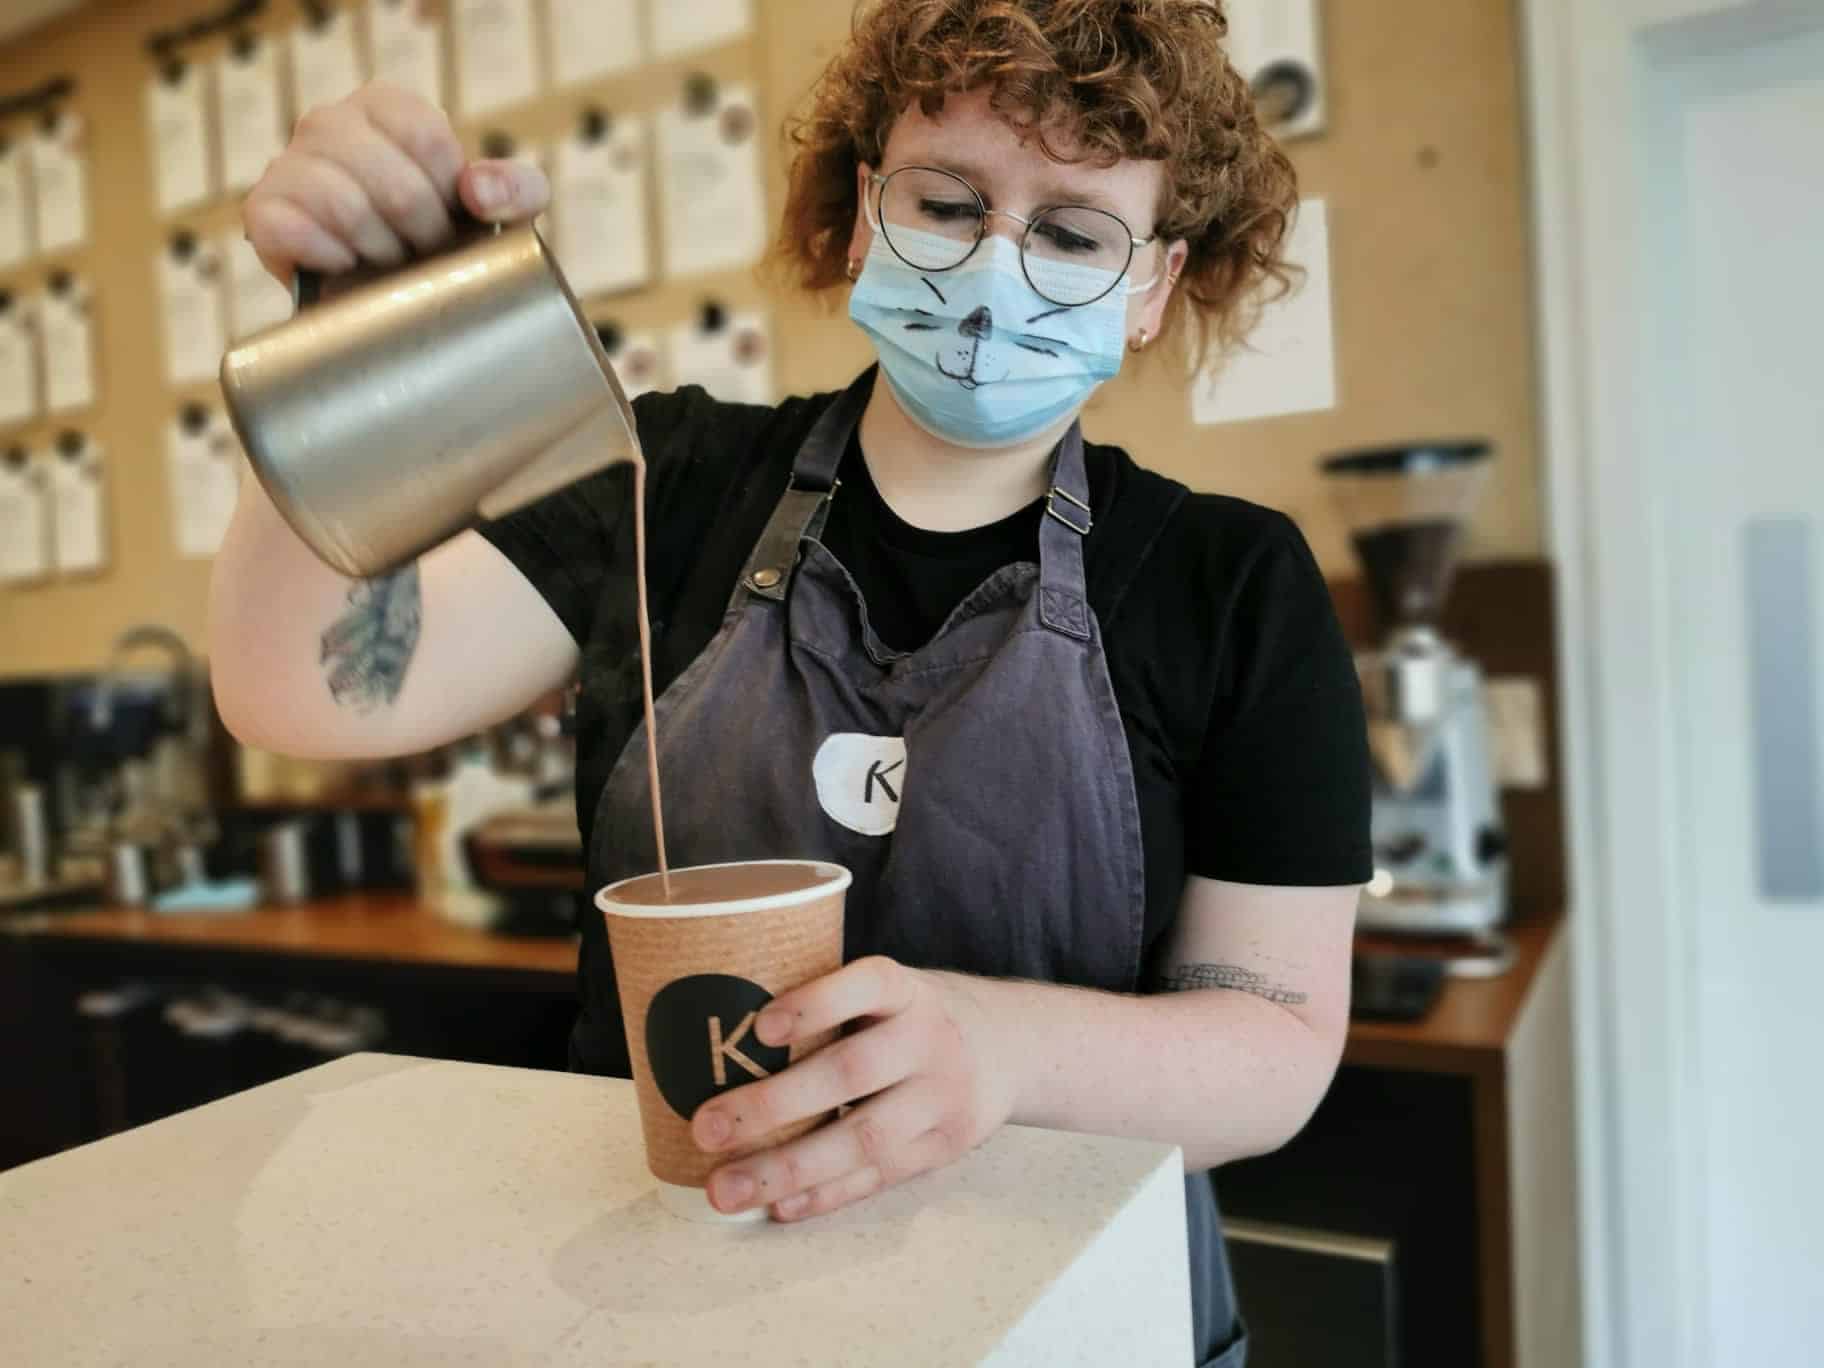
<point>1639,1109</point>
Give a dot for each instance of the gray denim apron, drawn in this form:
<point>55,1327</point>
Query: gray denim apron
<point>979,788</point>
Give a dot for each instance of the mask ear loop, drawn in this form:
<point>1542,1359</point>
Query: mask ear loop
<point>1171,279</point>
<point>880,237</point>
<point>1152,280</point>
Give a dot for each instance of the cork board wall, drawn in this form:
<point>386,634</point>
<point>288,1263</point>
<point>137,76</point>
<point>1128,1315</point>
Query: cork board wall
<point>1422,167</point>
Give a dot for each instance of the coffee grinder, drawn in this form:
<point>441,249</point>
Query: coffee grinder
<point>1439,845</point>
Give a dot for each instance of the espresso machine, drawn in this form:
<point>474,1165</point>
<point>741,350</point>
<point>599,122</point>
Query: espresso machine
<point>1439,846</point>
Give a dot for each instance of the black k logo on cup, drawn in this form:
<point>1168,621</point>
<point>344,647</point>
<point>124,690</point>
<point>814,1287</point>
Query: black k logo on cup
<point>700,1039</point>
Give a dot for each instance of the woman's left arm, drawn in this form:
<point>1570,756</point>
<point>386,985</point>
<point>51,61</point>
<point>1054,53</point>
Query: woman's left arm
<point>1231,1063</point>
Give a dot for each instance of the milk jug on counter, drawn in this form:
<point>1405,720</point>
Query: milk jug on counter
<point>421,400</point>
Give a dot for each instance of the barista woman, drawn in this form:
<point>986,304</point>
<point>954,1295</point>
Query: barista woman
<point>1091,744</point>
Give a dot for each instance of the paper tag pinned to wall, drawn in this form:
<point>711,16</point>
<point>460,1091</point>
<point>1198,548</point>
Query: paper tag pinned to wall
<point>204,468</point>
<point>599,190</point>
<point>255,300</point>
<point>78,505</point>
<point>67,326</point>
<point>177,120</point>
<point>496,58</point>
<point>15,206</point>
<point>729,355</point>
<point>18,360</point>
<point>594,38</point>
<point>60,181</point>
<point>709,178</point>
<point>325,67</point>
<point>25,542</point>
<point>190,280</point>
<point>252,116</point>
<point>407,49</point>
<point>1288,363</point>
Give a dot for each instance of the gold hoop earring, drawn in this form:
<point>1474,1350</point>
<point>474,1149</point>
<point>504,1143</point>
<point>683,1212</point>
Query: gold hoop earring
<point>1138,345</point>
<point>854,268</point>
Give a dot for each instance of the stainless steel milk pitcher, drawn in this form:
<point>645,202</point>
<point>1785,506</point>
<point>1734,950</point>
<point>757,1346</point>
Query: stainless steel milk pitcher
<point>419,401</point>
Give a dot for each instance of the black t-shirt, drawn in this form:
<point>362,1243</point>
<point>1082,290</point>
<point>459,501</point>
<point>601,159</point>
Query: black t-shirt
<point>1235,686</point>
<point>912,579</point>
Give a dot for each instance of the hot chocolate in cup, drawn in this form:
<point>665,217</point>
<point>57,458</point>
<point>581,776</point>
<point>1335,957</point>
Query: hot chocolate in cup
<point>695,967</point>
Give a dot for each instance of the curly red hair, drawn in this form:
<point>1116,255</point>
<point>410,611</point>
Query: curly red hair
<point>1147,79</point>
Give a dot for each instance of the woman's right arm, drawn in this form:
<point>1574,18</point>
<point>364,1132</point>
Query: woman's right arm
<point>303,660</point>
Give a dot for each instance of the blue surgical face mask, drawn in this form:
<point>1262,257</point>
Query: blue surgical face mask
<point>975,355</point>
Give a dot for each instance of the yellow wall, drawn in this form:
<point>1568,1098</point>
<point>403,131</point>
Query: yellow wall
<point>1432,279</point>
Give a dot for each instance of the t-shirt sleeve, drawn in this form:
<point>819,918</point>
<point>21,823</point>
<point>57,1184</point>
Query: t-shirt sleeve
<point>1281,789</point>
<point>566,543</point>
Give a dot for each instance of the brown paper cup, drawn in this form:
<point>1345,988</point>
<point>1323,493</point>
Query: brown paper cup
<point>694,974</point>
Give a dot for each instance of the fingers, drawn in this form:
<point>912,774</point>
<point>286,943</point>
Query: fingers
<point>871,1136</point>
<point>287,237</point>
<point>872,987</point>
<point>398,194</point>
<point>420,131</point>
<point>857,1067</point>
<point>504,191</point>
<point>368,178</point>
<point>335,199</point>
<point>930,1150</point>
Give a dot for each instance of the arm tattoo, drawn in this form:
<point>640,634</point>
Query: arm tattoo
<point>367,649</point>
<point>1187,978</point>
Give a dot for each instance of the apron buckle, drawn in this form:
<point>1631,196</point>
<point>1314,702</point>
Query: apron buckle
<point>792,483</point>
<point>1051,510</point>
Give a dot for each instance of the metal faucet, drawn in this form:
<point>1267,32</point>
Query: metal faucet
<point>186,821</point>
<point>183,706</point>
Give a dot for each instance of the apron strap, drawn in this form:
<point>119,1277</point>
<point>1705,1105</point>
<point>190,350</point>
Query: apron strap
<point>805,504</point>
<point>821,455</point>
<point>1063,590</point>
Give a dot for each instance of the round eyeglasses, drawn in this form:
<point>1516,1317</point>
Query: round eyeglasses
<point>1072,255</point>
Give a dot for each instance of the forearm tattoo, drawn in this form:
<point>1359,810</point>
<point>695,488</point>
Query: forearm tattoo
<point>1186,978</point>
<point>367,649</point>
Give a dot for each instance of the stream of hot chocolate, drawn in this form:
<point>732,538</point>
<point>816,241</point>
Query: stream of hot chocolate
<point>652,729</point>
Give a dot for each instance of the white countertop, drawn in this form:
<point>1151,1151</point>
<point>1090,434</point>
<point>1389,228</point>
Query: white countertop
<point>384,1210</point>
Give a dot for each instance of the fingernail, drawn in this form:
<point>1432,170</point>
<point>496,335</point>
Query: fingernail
<point>715,1130</point>
<point>490,190</point>
<point>774,1026</point>
<point>793,1207</point>
<point>734,1191</point>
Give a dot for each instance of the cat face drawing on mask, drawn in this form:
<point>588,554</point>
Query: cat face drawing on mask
<point>970,352</point>
<point>977,356</point>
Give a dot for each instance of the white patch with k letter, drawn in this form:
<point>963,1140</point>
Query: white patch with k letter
<point>860,780</point>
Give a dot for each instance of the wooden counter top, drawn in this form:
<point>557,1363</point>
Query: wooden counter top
<point>1467,1032</point>
<point>384,927</point>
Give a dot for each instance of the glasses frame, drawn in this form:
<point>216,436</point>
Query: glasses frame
<point>878,183</point>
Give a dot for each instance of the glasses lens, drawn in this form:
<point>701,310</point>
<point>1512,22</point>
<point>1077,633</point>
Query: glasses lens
<point>1075,255</point>
<point>931,219</point>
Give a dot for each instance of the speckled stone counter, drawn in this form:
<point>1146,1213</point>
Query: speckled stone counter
<point>394,1211</point>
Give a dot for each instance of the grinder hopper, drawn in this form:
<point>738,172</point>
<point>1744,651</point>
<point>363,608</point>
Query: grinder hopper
<point>1406,507</point>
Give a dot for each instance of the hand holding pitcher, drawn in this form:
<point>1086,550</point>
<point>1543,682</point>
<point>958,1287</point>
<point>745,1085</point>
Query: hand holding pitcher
<point>374,179</point>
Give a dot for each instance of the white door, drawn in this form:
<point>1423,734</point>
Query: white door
<point>1743,247</point>
<point>1682,232</point>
